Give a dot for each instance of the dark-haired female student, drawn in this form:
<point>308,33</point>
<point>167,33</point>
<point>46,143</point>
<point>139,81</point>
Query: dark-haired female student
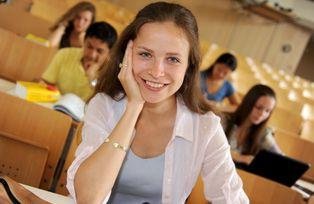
<point>213,81</point>
<point>246,128</point>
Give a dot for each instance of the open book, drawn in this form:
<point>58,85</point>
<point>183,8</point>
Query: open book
<point>69,103</point>
<point>72,105</point>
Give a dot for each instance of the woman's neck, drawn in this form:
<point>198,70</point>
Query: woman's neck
<point>77,39</point>
<point>76,33</point>
<point>211,79</point>
<point>159,111</point>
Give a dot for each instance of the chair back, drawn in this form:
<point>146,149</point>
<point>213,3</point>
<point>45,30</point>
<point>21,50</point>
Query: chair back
<point>285,120</point>
<point>259,191</point>
<point>297,148</point>
<point>308,130</point>
<point>22,22</point>
<point>264,191</point>
<point>40,125</point>
<point>197,194</point>
<point>22,161</point>
<point>22,59</point>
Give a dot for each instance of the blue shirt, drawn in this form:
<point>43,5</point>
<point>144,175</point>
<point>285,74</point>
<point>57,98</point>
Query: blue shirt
<point>225,90</point>
<point>139,181</point>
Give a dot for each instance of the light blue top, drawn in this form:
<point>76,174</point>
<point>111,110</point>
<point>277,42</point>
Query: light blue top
<point>139,181</point>
<point>225,90</point>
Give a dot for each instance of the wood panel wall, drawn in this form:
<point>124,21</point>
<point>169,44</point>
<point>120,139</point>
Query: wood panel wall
<point>251,35</point>
<point>287,34</point>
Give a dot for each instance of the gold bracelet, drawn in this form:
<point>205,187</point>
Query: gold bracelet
<point>116,145</point>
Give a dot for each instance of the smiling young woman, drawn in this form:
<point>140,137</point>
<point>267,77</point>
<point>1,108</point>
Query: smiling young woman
<point>148,132</point>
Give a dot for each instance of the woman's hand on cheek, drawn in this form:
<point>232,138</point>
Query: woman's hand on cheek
<point>127,79</point>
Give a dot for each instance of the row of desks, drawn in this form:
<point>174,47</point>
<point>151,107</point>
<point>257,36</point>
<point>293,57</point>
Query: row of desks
<point>8,87</point>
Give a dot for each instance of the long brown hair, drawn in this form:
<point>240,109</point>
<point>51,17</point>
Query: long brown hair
<point>69,16</point>
<point>243,112</point>
<point>158,12</point>
<point>73,11</point>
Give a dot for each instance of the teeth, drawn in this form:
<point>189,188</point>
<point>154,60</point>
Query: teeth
<point>153,84</point>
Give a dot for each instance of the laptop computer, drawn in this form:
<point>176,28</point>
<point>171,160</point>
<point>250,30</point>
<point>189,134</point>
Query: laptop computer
<point>277,167</point>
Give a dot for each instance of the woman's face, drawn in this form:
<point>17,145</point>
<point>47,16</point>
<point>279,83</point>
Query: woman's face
<point>160,60</point>
<point>262,109</point>
<point>82,21</point>
<point>220,71</point>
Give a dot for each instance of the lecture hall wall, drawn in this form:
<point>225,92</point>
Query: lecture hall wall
<point>225,23</point>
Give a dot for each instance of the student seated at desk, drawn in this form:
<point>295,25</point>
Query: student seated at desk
<point>69,30</point>
<point>74,70</point>
<point>148,132</point>
<point>214,83</point>
<point>246,128</point>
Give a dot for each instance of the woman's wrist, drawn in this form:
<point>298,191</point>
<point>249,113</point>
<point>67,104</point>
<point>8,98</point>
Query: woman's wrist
<point>62,26</point>
<point>135,107</point>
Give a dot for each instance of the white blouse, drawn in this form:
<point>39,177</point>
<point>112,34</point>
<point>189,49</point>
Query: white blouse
<point>198,145</point>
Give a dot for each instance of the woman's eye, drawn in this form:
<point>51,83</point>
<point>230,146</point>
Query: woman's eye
<point>259,108</point>
<point>267,111</point>
<point>174,60</point>
<point>145,54</point>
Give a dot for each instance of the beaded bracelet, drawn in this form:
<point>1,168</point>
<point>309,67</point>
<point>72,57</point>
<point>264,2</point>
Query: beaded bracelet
<point>116,145</point>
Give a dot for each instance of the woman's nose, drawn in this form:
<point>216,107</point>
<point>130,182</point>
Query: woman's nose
<point>157,69</point>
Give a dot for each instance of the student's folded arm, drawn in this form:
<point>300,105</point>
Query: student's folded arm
<point>233,99</point>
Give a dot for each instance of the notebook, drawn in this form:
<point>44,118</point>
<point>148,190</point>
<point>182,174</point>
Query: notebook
<point>277,167</point>
<point>72,105</point>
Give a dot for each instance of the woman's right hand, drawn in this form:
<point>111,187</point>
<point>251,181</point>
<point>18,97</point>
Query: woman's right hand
<point>127,79</point>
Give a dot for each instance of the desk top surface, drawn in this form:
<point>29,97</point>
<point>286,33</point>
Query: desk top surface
<point>6,85</point>
<point>9,88</point>
<point>49,196</point>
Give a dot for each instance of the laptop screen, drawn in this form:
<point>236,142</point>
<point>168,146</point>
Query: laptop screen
<point>277,167</point>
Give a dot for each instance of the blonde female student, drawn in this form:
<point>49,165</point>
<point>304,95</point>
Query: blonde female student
<point>69,30</point>
<point>147,133</point>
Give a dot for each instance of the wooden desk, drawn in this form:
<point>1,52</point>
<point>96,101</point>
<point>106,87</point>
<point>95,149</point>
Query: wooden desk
<point>49,196</point>
<point>8,88</point>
